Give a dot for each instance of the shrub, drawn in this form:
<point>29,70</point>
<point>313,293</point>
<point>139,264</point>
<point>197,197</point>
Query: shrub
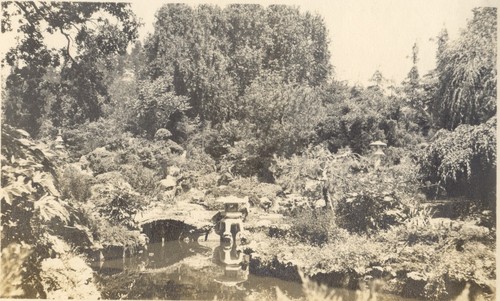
<point>441,254</point>
<point>157,155</point>
<point>75,183</point>
<point>115,199</point>
<point>462,161</point>
<point>314,226</point>
<point>85,138</point>
<point>366,211</point>
<point>102,161</point>
<point>199,168</point>
<point>114,235</point>
<point>32,207</point>
<point>142,179</point>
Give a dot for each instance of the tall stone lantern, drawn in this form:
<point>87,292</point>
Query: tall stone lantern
<point>59,141</point>
<point>378,153</point>
<point>228,253</point>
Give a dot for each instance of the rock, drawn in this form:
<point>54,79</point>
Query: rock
<point>162,134</point>
<point>319,203</point>
<point>169,182</point>
<point>176,149</point>
<point>416,276</point>
<point>174,171</point>
<point>263,223</point>
<point>191,214</point>
<point>265,203</point>
<point>196,195</point>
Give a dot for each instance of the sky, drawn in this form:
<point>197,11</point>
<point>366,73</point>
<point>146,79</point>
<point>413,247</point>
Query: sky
<point>370,35</point>
<point>365,35</point>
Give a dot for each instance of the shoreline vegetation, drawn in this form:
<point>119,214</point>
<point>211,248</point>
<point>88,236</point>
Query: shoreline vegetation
<point>105,151</point>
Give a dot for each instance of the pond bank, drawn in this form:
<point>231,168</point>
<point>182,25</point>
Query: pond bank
<point>410,263</point>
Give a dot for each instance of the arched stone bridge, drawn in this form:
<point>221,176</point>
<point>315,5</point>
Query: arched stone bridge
<point>179,222</point>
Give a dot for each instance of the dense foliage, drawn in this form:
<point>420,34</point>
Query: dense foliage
<point>241,101</point>
<point>212,55</point>
<point>34,216</point>
<point>467,75</point>
<point>67,85</point>
<point>463,161</point>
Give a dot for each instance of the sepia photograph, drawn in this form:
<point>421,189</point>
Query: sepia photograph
<point>249,150</point>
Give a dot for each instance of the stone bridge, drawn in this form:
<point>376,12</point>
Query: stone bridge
<point>177,222</point>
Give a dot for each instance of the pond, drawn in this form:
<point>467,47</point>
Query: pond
<point>190,271</point>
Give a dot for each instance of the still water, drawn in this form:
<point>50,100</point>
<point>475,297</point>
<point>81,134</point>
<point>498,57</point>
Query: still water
<point>177,270</point>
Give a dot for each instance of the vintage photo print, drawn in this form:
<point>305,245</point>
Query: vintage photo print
<point>249,150</point>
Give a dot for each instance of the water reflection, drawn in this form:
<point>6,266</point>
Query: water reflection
<point>228,254</point>
<point>153,256</point>
<point>205,270</point>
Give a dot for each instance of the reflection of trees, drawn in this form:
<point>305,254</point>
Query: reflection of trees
<point>171,253</point>
<point>183,282</point>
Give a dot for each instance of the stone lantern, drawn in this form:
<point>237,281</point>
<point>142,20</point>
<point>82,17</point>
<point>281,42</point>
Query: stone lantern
<point>59,141</point>
<point>232,220</point>
<point>228,254</point>
<point>379,153</point>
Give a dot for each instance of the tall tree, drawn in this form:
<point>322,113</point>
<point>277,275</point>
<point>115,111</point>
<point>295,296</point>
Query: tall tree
<point>416,95</point>
<point>467,73</point>
<point>214,55</point>
<point>80,87</point>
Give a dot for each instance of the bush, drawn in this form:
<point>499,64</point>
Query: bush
<point>199,168</point>
<point>364,198</point>
<point>359,116</point>
<point>369,211</point>
<point>316,227</point>
<point>102,161</point>
<point>85,138</point>
<point>440,256</point>
<point>156,155</point>
<point>114,235</point>
<point>462,161</point>
<point>115,199</point>
<point>142,179</point>
<point>75,183</point>
<point>32,207</point>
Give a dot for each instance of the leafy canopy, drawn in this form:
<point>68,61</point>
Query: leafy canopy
<point>467,74</point>
<point>70,81</point>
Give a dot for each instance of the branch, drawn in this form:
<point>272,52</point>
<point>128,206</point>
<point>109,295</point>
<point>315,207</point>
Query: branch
<point>26,12</point>
<point>60,27</point>
<point>68,38</point>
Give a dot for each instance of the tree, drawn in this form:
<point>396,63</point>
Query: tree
<point>80,88</point>
<point>245,22</point>
<point>416,96</point>
<point>275,119</point>
<point>214,55</point>
<point>298,46</point>
<point>467,75</point>
<point>155,106</point>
